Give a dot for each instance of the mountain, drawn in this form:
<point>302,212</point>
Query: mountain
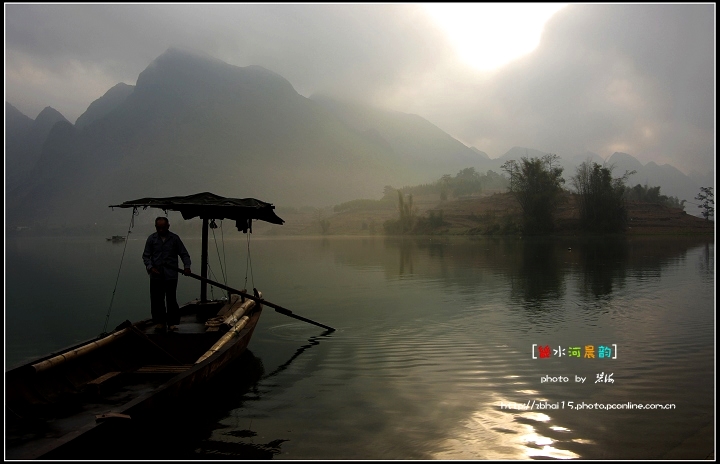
<point>672,181</point>
<point>105,104</point>
<point>516,153</point>
<point>419,145</point>
<point>16,124</point>
<point>586,156</point>
<point>44,123</point>
<point>482,154</point>
<point>705,179</point>
<point>193,123</point>
<point>17,128</point>
<point>24,142</point>
<point>623,162</point>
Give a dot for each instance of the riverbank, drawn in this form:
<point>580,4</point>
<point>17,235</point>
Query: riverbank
<point>490,214</point>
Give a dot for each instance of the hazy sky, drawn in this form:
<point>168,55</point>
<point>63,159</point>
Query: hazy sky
<point>633,78</point>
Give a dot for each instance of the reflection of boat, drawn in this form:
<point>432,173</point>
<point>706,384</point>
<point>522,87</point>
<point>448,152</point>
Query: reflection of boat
<point>116,238</point>
<point>61,402</point>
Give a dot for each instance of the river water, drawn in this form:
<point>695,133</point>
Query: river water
<point>440,345</point>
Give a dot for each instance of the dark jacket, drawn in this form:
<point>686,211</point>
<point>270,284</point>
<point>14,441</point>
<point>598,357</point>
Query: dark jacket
<point>163,255</point>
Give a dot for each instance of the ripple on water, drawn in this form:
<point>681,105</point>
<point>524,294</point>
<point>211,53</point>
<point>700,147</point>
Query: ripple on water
<point>432,340</point>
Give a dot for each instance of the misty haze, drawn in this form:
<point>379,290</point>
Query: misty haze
<point>458,188</point>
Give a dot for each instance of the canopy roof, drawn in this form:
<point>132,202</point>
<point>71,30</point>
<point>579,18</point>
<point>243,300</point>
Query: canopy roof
<point>210,206</point>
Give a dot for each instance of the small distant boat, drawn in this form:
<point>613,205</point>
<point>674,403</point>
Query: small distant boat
<point>116,238</point>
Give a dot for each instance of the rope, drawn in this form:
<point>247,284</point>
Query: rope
<point>117,279</point>
<point>227,271</point>
<point>212,293</point>
<point>222,271</point>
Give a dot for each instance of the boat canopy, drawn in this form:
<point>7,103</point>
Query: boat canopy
<point>207,205</point>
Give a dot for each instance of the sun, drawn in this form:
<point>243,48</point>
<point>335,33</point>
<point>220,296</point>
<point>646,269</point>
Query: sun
<point>488,36</point>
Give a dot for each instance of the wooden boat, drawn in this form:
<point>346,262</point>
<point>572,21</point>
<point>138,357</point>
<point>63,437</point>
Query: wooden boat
<point>71,398</point>
<point>116,238</point>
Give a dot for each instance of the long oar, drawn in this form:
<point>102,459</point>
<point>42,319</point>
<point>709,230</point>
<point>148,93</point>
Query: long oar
<point>277,308</point>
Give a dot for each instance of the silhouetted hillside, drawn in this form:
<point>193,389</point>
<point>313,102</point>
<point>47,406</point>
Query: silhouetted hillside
<point>194,123</point>
<point>421,147</point>
<point>24,142</point>
<point>105,104</point>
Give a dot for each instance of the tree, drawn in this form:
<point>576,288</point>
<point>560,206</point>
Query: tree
<point>323,222</point>
<point>601,198</point>
<point>536,183</point>
<point>466,182</point>
<point>407,212</point>
<point>324,226</point>
<point>444,182</point>
<point>388,191</point>
<point>406,219</point>
<point>652,195</point>
<point>706,202</point>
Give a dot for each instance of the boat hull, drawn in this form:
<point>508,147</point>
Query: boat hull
<point>134,375</point>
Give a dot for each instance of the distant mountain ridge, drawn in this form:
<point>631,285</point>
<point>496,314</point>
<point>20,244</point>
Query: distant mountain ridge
<point>194,123</point>
<point>105,104</point>
<point>24,142</point>
<point>414,139</point>
<point>671,180</point>
<point>482,154</point>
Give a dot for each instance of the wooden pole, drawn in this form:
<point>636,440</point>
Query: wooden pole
<point>277,308</point>
<point>204,262</point>
<point>77,352</point>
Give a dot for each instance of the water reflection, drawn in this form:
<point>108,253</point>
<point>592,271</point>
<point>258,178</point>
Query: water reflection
<point>539,277</point>
<point>434,332</point>
<point>189,429</point>
<point>706,264</point>
<point>406,248</point>
<point>486,277</point>
<point>497,433</point>
<point>312,341</point>
<point>603,264</point>
<point>536,269</point>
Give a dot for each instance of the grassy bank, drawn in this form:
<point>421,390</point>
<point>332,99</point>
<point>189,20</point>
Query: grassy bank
<point>492,213</point>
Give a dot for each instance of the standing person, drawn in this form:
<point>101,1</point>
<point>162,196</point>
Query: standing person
<point>160,257</point>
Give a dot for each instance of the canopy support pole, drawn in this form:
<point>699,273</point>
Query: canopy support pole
<point>204,263</point>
